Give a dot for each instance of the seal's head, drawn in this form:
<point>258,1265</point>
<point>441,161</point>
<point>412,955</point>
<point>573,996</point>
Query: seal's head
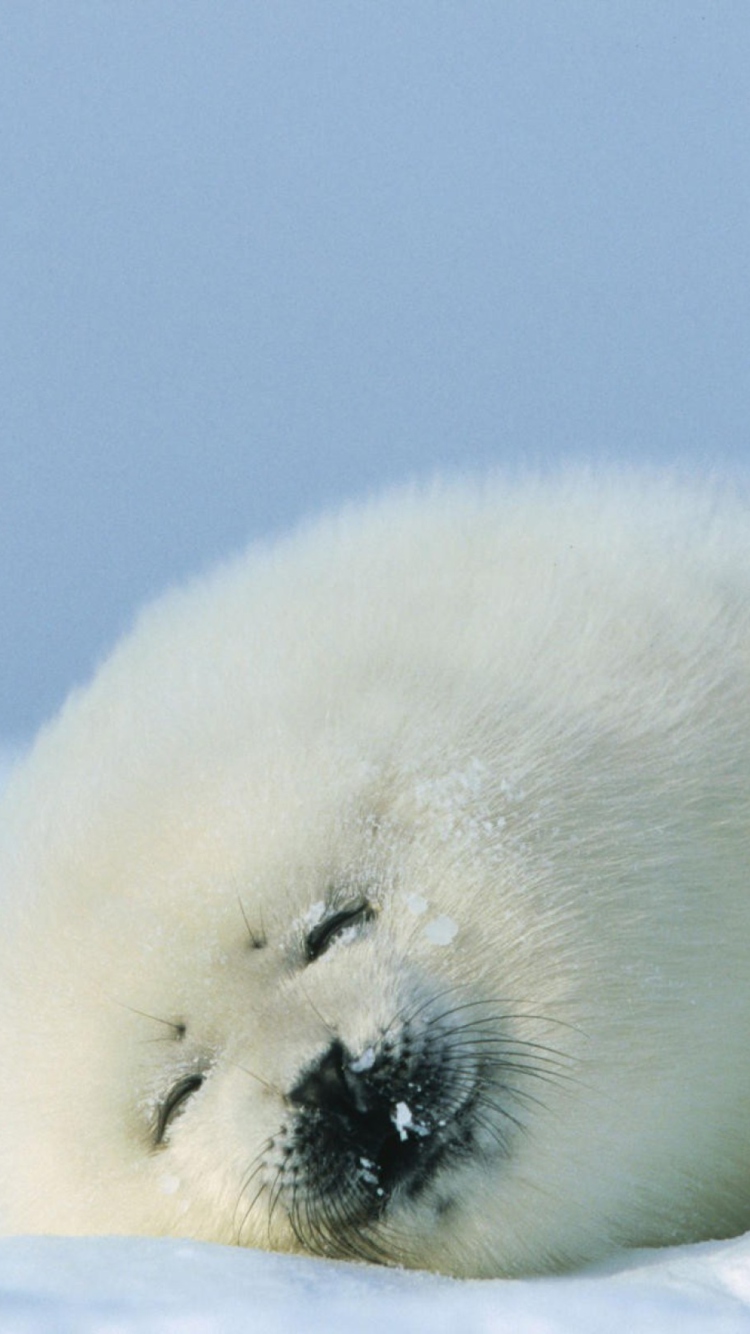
<point>384,895</point>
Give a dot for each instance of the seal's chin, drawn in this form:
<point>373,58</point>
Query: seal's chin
<point>367,1134</point>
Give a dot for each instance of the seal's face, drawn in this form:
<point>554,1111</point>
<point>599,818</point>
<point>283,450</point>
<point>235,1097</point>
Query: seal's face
<point>289,1030</point>
<point>398,1084</point>
<point>407,1085</point>
<point>322,1061</point>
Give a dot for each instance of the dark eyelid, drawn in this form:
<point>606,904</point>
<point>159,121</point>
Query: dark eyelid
<point>177,1095</point>
<point>322,935</point>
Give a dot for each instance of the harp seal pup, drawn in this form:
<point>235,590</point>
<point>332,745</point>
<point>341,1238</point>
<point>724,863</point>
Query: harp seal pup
<point>386,894</point>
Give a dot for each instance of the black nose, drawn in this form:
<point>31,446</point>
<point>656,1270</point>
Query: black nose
<point>331,1086</point>
<point>349,1115</point>
<point>352,1114</point>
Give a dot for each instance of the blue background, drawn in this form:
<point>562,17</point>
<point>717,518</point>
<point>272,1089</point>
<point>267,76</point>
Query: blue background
<point>260,256</point>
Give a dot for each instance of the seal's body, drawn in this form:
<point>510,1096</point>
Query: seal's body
<point>386,893</point>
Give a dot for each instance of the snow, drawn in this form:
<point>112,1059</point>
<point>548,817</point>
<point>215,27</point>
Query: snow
<point>314,914</point>
<point>365,1062</point>
<point>403,1119</point>
<point>155,1286</point>
<point>441,930</point>
<point>438,930</point>
<point>416,904</point>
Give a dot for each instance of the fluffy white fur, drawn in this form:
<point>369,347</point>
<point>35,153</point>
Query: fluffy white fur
<point>514,719</point>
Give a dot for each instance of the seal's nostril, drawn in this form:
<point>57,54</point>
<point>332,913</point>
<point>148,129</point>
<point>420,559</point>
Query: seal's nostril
<point>326,1085</point>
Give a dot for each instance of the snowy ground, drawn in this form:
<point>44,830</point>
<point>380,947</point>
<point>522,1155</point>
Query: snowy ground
<point>117,1285</point>
<point>114,1285</point>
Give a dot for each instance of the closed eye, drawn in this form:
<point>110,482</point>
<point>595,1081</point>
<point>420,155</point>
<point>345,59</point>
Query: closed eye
<point>323,935</point>
<point>174,1103</point>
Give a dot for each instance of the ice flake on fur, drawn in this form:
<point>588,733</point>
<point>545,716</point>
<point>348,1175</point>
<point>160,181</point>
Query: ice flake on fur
<point>369,1172</point>
<point>441,931</point>
<point>416,904</point>
<point>314,914</point>
<point>364,1062</point>
<point>462,807</point>
<point>404,1122</point>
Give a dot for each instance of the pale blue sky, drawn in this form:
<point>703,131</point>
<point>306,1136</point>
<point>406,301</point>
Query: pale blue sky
<point>260,256</point>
